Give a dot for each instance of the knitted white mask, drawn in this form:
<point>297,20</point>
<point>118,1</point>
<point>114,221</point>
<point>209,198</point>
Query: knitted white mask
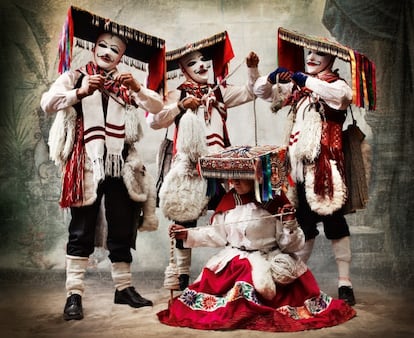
<point>317,62</point>
<point>108,51</point>
<point>195,67</point>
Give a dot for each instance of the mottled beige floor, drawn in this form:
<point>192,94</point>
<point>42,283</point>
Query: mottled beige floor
<point>33,308</point>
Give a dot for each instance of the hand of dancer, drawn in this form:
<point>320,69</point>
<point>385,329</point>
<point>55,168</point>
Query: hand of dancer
<point>128,81</point>
<point>289,212</point>
<point>92,83</point>
<point>283,73</point>
<point>299,78</point>
<point>189,102</point>
<point>252,60</point>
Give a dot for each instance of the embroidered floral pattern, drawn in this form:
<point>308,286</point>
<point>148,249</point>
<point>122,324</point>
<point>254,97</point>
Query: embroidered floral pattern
<point>318,304</point>
<point>312,306</point>
<point>207,302</point>
<point>289,311</point>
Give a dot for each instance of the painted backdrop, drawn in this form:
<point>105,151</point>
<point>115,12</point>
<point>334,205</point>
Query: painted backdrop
<point>33,227</point>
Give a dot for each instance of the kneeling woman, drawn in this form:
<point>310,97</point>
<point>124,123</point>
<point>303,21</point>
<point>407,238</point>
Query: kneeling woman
<point>256,282</point>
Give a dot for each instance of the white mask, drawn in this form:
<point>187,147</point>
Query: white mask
<point>317,62</point>
<point>108,51</point>
<point>195,67</point>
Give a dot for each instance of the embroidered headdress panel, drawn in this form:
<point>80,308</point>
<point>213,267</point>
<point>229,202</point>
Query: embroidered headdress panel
<point>267,165</point>
<point>144,52</point>
<point>217,48</point>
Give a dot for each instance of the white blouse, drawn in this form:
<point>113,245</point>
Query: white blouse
<point>244,230</point>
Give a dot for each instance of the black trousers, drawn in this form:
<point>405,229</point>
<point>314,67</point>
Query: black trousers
<point>120,216</point>
<point>334,226</point>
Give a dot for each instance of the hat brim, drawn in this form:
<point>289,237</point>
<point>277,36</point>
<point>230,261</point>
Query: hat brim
<point>291,47</point>
<point>290,51</point>
<point>143,51</point>
<point>217,48</point>
<point>140,46</point>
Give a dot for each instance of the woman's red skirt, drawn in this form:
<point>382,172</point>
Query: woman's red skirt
<point>228,301</point>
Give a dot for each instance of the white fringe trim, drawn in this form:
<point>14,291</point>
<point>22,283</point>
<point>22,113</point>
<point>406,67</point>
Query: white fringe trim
<point>113,165</point>
<point>183,195</point>
<point>62,136</point>
<point>134,176</point>
<point>141,188</point>
<point>261,275</point>
<point>98,170</point>
<point>191,138</point>
<point>325,205</point>
<point>133,126</point>
<point>309,141</point>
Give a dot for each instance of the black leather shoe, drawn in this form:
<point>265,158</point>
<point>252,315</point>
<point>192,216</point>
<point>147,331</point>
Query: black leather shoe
<point>131,297</point>
<point>183,280</point>
<point>347,294</point>
<point>73,308</point>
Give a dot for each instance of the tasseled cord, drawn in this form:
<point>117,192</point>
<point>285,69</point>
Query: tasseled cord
<point>363,80</point>
<point>66,43</point>
<point>171,281</point>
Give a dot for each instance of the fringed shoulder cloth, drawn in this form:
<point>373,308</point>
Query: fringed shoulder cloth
<point>95,129</point>
<point>212,99</point>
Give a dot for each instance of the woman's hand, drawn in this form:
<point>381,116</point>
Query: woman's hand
<point>288,212</point>
<point>177,231</point>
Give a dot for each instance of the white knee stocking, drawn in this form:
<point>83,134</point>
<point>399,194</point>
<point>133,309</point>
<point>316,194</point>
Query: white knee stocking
<point>121,275</point>
<point>342,252</point>
<point>75,272</point>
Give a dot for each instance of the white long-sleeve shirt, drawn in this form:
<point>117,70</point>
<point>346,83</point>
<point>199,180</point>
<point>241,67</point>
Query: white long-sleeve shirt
<point>62,94</point>
<point>245,229</point>
<point>337,94</point>
<point>250,232</point>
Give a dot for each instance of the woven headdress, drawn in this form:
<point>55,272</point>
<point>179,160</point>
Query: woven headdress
<point>217,48</point>
<point>143,51</point>
<point>291,56</point>
<point>267,165</point>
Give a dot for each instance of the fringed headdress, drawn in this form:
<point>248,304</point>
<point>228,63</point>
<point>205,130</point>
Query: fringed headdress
<point>143,51</point>
<point>291,56</point>
<point>267,165</point>
<point>217,48</point>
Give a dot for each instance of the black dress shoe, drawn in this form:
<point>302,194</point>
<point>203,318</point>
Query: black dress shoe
<point>347,294</point>
<point>183,279</point>
<point>73,308</point>
<point>131,297</point>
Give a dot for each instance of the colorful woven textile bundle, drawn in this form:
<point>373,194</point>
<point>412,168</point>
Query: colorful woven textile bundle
<point>267,165</point>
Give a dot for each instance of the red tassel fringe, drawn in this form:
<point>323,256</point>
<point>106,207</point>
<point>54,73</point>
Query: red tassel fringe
<point>331,148</point>
<point>72,185</point>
